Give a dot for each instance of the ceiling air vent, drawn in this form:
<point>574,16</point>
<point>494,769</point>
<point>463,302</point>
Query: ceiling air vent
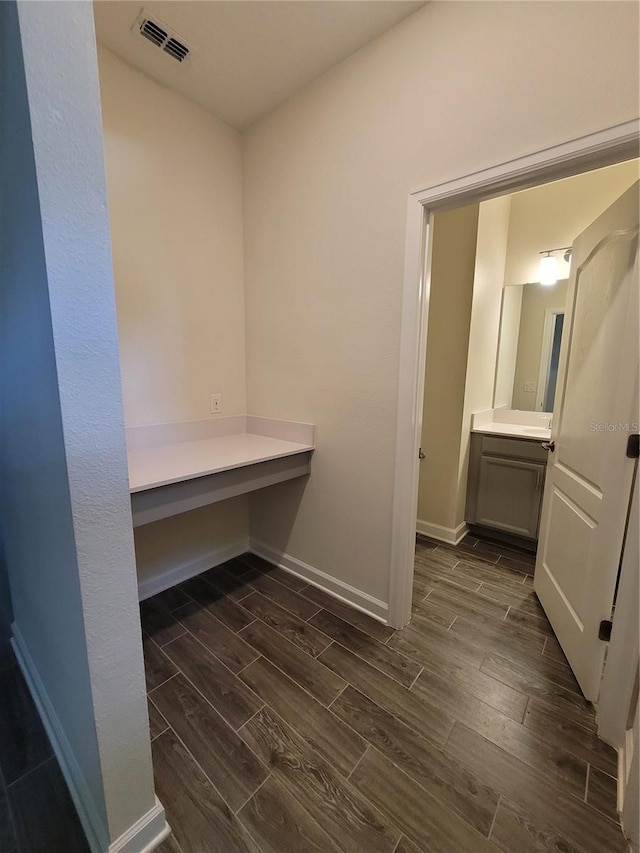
<point>160,35</point>
<point>153,32</point>
<point>176,49</point>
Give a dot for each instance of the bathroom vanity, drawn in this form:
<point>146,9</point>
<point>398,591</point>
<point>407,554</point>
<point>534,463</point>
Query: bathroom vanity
<point>507,468</point>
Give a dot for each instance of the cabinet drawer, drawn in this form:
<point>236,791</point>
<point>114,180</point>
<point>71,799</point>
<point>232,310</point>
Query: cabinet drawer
<point>514,448</point>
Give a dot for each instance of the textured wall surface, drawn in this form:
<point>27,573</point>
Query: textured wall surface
<point>66,513</point>
<point>190,538</point>
<point>455,234</point>
<point>455,88</point>
<point>174,185</point>
<point>488,276</point>
<point>36,505</point>
<point>174,181</point>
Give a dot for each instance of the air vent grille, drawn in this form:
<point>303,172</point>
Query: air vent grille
<point>153,32</point>
<point>176,49</point>
<point>162,37</point>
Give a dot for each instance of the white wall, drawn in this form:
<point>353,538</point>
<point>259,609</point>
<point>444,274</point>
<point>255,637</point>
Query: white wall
<point>453,261</point>
<point>174,180</point>
<point>65,505</point>
<point>174,184</point>
<point>192,542</point>
<point>453,89</point>
<point>491,252</point>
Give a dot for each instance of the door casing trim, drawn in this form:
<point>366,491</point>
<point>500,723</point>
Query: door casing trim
<point>604,148</point>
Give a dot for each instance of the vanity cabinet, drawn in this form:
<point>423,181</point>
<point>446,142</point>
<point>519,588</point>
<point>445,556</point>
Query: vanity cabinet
<point>506,483</point>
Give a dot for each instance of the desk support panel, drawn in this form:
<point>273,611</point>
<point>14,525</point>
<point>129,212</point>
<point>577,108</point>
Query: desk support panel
<point>154,504</point>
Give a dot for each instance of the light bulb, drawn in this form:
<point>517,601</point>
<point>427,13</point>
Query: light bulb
<point>548,270</point>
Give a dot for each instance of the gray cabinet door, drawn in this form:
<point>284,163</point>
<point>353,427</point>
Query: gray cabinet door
<point>508,495</point>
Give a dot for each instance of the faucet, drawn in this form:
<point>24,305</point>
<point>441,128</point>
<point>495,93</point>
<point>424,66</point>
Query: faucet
<point>549,421</point>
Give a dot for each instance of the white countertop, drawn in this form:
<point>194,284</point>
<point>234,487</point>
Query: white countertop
<point>515,431</point>
<point>150,467</point>
<point>513,423</point>
<point>161,454</point>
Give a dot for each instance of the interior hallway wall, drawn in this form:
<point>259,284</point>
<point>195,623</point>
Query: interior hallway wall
<point>453,263</point>
<point>174,183</point>
<point>484,332</point>
<point>174,180</point>
<point>326,184</point>
<point>66,518</point>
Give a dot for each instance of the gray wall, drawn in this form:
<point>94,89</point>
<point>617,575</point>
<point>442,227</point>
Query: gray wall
<point>65,504</point>
<point>36,508</point>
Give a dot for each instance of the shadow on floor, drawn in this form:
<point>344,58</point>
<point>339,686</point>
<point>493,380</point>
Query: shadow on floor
<point>37,814</point>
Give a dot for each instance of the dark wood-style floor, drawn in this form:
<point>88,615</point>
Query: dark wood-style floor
<point>286,722</point>
<point>37,814</point>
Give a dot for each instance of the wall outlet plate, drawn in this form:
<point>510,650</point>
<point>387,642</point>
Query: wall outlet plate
<point>529,387</point>
<point>216,403</point>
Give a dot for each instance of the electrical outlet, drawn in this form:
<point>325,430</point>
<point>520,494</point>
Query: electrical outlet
<point>216,403</point>
<point>529,387</point>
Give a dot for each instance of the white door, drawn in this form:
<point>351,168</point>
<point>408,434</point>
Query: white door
<point>589,475</point>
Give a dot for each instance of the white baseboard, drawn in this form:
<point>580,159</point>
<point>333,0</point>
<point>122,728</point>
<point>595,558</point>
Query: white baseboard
<point>450,535</point>
<point>177,574</point>
<point>621,777</point>
<point>90,817</point>
<point>332,586</point>
<point>146,834</point>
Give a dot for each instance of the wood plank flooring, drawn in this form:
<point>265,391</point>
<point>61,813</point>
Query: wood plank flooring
<point>283,721</point>
<point>37,814</point>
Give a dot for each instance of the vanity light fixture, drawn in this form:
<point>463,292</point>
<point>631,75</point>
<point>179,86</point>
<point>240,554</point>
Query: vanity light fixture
<point>548,269</point>
<point>549,265</point>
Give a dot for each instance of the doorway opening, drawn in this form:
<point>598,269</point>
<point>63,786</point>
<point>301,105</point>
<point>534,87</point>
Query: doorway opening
<point>495,324</point>
<point>597,151</point>
<point>493,473</point>
<point>513,389</point>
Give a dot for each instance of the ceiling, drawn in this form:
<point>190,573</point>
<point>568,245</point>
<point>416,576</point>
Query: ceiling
<point>247,56</point>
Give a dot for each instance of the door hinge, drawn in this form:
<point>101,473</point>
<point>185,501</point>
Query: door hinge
<point>633,446</point>
<point>605,630</point>
<point>421,454</point>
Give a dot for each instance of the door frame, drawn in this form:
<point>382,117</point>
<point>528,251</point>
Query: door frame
<point>604,148</point>
<point>618,703</point>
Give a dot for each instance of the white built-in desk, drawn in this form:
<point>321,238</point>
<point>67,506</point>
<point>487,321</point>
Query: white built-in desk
<point>175,468</point>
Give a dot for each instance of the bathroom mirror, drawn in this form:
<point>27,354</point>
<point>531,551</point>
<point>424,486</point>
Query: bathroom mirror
<point>531,325</point>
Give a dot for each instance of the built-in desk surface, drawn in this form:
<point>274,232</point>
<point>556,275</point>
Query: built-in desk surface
<point>174,468</point>
<point>151,467</point>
